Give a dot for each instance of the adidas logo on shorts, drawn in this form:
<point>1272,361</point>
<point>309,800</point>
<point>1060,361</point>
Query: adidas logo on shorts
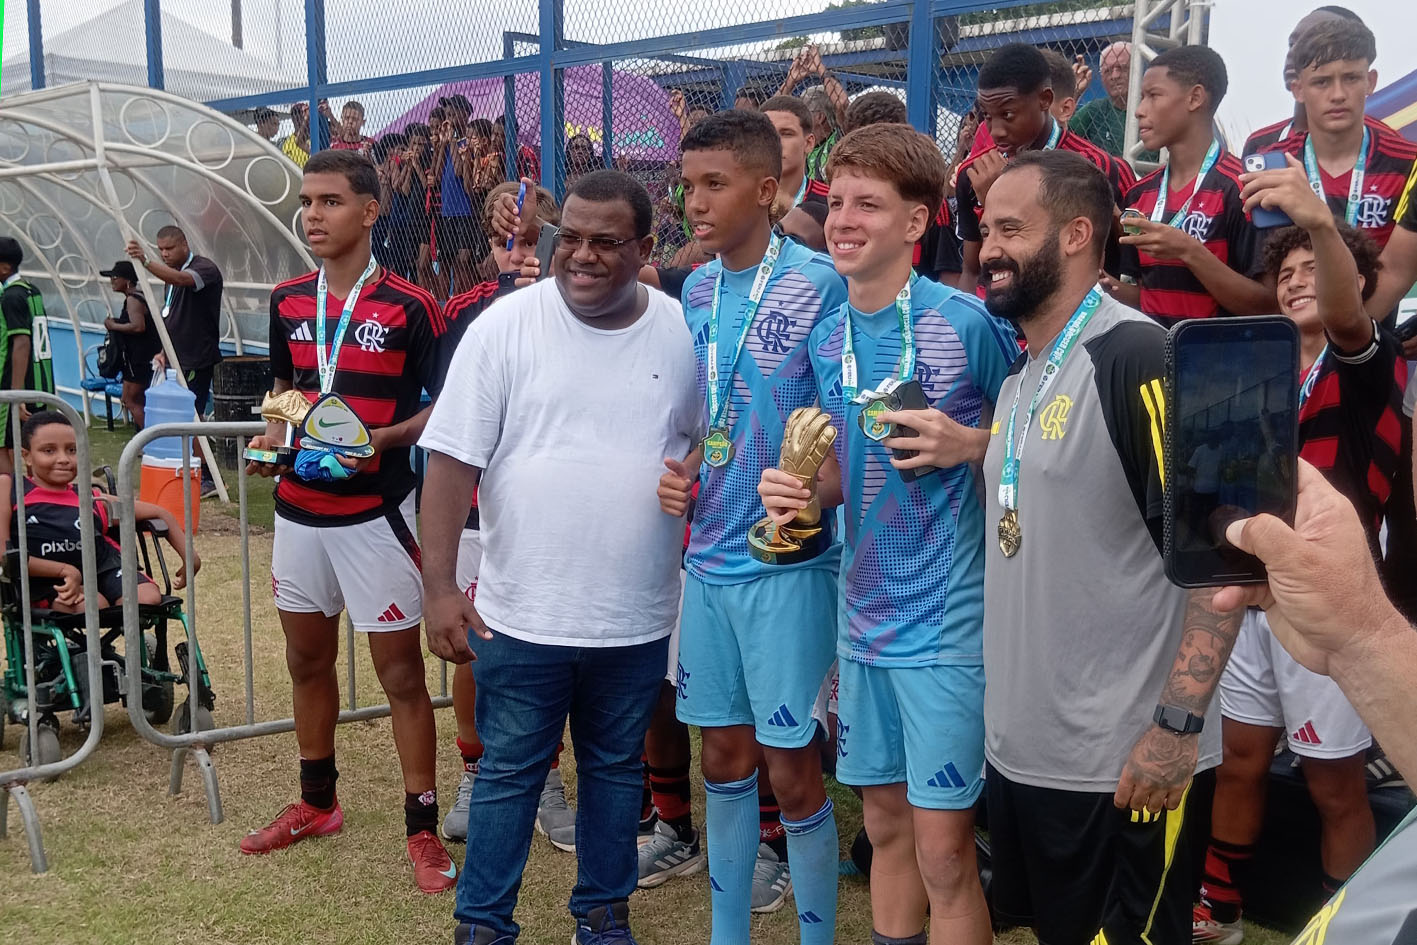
<point>782,718</point>
<point>1306,734</point>
<point>391,614</point>
<point>946,777</point>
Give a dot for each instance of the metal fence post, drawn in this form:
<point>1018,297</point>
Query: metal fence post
<point>920,72</point>
<point>551,22</point>
<point>152,20</point>
<point>36,31</point>
<point>316,71</point>
<point>509,113</point>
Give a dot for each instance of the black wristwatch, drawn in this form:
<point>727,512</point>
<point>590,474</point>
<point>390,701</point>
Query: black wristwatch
<point>1176,719</point>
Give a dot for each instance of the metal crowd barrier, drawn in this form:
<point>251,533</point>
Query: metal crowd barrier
<point>199,742</point>
<point>91,675</point>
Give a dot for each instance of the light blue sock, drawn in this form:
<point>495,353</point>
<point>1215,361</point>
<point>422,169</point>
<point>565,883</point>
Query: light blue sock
<point>812,852</point>
<point>731,821</point>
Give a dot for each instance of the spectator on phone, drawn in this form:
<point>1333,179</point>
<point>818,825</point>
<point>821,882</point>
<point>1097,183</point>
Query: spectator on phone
<point>1326,607</point>
<point>408,178</point>
<point>296,145</point>
<point>1350,398</point>
<point>350,136</point>
<point>456,247</point>
<point>391,238</point>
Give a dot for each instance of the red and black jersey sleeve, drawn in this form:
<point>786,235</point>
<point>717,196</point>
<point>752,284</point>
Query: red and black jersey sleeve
<point>459,313</point>
<point>1129,365</point>
<point>967,206</point>
<point>1350,427</point>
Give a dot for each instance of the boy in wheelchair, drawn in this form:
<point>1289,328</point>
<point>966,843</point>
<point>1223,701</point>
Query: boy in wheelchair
<point>48,448</point>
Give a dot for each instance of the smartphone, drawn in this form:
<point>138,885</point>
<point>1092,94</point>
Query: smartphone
<point>545,246</point>
<point>1231,443</point>
<point>1130,218</point>
<point>1406,329</point>
<point>1271,161</point>
<point>912,397</point>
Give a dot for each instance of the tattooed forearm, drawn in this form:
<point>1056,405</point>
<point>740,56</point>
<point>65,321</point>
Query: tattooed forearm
<point>1206,641</point>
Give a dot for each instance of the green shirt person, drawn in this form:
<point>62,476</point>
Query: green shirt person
<point>26,361</point>
<point>1103,121</point>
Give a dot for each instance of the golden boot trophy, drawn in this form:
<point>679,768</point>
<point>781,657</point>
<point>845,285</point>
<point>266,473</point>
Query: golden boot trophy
<point>806,440</point>
<point>289,408</point>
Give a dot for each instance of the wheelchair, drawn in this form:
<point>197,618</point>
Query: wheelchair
<point>61,658</point>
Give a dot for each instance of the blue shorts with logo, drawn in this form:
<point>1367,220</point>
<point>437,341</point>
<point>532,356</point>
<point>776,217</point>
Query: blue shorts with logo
<point>756,653</point>
<point>921,725</point>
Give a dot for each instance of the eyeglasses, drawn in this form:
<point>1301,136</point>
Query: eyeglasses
<point>599,245</point>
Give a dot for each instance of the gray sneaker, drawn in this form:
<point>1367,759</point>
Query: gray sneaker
<point>554,817</point>
<point>665,856</point>
<point>455,824</point>
<point>772,881</point>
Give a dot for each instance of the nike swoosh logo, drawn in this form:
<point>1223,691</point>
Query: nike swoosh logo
<point>450,872</point>
<point>329,423</point>
<point>295,832</point>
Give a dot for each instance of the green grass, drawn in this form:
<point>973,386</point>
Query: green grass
<point>130,864</point>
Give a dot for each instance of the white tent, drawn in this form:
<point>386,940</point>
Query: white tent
<point>112,46</point>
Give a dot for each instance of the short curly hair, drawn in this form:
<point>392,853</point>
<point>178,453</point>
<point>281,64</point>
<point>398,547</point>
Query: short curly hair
<point>1365,252</point>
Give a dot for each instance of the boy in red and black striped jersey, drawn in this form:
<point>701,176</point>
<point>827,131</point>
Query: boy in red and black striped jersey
<point>1263,138</point>
<point>1350,401</point>
<point>1193,253</point>
<point>1015,95</point>
<point>1361,170</point>
<point>332,534</point>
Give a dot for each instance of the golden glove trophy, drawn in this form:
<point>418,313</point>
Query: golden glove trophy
<point>805,442</point>
<point>289,408</point>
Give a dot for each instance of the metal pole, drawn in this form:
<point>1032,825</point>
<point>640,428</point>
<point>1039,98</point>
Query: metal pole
<point>509,111</point>
<point>152,19</point>
<point>36,29</point>
<point>553,125</point>
<point>315,63</point>
<point>607,114</point>
<point>920,102</point>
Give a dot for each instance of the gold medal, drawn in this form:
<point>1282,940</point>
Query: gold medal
<point>1010,533</point>
<point>870,417</point>
<point>718,448</point>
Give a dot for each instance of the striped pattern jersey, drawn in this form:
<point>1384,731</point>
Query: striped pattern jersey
<point>388,357</point>
<point>912,579</point>
<point>1390,160</point>
<point>460,312</point>
<point>770,379</point>
<point>1262,139</point>
<point>1216,217</point>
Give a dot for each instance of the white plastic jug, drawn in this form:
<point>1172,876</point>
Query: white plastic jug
<point>168,402</point>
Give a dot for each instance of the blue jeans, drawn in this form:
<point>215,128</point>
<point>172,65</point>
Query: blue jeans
<point>524,693</point>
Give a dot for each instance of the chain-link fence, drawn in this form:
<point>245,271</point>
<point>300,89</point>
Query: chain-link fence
<point>451,104</point>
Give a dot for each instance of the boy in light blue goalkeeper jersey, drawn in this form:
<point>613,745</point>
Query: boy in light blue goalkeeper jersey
<point>911,606</point>
<point>756,640</point>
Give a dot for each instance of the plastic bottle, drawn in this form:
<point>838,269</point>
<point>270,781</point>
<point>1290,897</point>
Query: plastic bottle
<point>168,402</point>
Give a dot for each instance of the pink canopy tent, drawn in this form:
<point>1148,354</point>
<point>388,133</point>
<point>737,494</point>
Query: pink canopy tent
<point>644,127</point>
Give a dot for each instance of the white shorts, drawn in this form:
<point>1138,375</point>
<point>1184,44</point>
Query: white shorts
<point>469,560</point>
<point>370,569</point>
<point>1264,685</point>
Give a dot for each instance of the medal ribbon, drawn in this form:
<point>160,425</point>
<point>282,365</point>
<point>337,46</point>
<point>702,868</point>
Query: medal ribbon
<point>327,358</point>
<point>1312,377</point>
<point>1355,180</point>
<point>718,392</point>
<point>905,366</point>
<point>167,302</point>
<point>1211,156</point>
<point>1013,448</point>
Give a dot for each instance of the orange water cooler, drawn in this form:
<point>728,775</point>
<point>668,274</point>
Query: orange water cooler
<point>161,484</point>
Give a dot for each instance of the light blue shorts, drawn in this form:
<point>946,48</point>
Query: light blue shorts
<point>756,653</point>
<point>921,725</point>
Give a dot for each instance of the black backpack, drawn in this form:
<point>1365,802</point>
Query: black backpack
<point>110,357</point>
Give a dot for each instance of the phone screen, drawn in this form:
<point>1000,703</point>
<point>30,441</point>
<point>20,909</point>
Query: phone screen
<point>1233,441</point>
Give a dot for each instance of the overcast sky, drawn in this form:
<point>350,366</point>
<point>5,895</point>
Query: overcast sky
<point>365,36</point>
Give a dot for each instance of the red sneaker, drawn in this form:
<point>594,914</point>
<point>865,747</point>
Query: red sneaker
<point>295,823</point>
<point>433,869</point>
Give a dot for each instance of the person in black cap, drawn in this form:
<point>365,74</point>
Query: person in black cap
<point>24,342</point>
<point>137,335</point>
<point>267,123</point>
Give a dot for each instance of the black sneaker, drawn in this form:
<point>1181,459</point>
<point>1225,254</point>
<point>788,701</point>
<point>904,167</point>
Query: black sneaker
<point>606,925</point>
<point>1380,772</point>
<point>208,487</point>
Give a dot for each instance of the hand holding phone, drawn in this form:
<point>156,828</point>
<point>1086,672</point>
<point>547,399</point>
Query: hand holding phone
<point>545,246</point>
<point>1231,441</point>
<point>1276,192</point>
<point>909,396</point>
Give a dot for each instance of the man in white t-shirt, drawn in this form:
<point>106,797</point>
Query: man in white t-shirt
<point>561,403</point>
